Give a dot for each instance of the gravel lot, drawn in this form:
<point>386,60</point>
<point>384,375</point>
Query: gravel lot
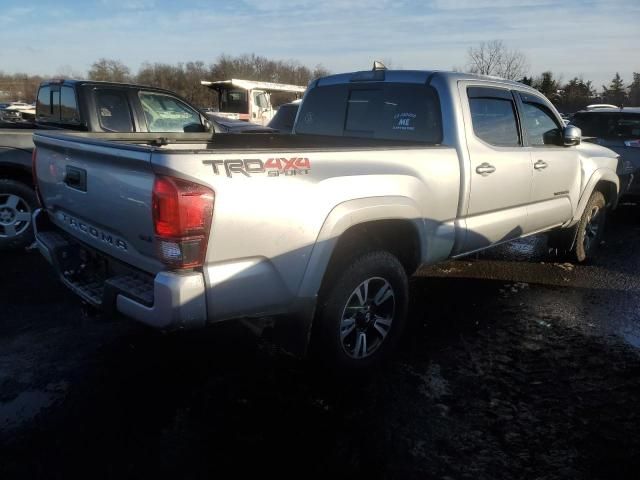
<point>515,366</point>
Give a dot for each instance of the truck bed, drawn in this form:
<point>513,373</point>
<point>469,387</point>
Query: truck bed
<point>228,142</point>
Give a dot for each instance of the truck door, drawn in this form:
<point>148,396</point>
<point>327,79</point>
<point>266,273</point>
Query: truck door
<point>500,167</point>
<point>556,168</point>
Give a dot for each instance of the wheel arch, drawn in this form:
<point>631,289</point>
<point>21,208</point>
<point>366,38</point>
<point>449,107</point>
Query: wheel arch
<point>347,223</point>
<point>19,173</point>
<point>602,180</point>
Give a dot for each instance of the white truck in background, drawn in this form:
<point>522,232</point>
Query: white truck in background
<point>248,100</point>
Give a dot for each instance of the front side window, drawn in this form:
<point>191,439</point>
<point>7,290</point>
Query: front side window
<point>387,111</point>
<point>261,100</point>
<point>494,121</point>
<point>540,127</point>
<point>114,113</point>
<point>164,113</point>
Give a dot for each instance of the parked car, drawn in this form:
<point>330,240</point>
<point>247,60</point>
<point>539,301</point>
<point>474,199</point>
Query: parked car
<point>596,106</point>
<point>385,171</point>
<point>9,117</point>
<point>87,106</point>
<point>285,117</point>
<point>619,130</point>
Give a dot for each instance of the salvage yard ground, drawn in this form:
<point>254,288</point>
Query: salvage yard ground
<point>516,365</point>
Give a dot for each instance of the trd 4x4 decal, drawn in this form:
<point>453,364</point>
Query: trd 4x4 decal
<point>273,167</point>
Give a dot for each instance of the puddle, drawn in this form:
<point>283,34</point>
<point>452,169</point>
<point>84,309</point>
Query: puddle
<point>526,249</point>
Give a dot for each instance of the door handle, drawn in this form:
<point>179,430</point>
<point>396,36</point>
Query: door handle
<point>485,169</point>
<point>75,178</point>
<point>540,164</point>
<point>72,178</point>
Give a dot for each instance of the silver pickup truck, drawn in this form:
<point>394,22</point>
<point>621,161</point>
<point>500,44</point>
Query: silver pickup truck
<point>385,171</point>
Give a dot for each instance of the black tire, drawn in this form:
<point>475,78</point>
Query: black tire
<point>383,272</point>
<point>16,200</point>
<point>590,228</point>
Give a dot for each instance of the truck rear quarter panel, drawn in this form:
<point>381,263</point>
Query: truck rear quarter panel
<point>267,227</point>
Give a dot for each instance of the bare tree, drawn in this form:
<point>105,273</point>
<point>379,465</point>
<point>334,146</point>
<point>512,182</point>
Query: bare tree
<point>494,58</point>
<point>19,86</point>
<point>110,71</point>
<point>182,78</point>
<point>67,71</point>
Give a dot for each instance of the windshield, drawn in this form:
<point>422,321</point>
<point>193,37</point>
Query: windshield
<point>167,114</point>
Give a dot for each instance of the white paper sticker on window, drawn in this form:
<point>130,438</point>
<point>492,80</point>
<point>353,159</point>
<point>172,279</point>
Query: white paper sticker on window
<point>404,121</point>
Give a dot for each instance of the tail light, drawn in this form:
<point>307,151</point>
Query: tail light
<point>34,173</point>
<point>632,143</point>
<point>182,212</point>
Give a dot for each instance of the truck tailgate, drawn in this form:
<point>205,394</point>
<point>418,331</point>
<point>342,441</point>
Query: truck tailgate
<point>100,194</point>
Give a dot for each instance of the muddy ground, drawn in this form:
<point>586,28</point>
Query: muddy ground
<point>515,365</point>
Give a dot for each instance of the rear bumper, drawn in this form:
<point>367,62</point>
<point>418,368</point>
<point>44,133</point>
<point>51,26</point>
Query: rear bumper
<point>168,300</point>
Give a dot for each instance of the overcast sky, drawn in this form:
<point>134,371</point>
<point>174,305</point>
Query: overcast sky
<point>570,37</point>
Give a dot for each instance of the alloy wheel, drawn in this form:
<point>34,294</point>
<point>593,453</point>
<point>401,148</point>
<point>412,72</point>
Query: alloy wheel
<point>15,215</point>
<point>367,317</point>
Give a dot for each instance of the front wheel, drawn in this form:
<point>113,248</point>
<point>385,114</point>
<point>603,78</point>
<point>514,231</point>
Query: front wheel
<point>590,228</point>
<point>362,315</point>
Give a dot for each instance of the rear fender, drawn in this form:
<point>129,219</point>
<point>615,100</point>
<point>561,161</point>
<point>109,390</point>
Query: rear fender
<point>347,215</point>
<point>293,331</point>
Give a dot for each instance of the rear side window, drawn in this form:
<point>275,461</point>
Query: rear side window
<point>494,121</point>
<point>43,105</point>
<point>114,113</point>
<point>539,125</point>
<point>68,106</point>
<point>386,111</point>
<point>168,114</point>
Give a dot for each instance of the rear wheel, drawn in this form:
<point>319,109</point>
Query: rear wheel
<point>363,313</point>
<point>17,203</point>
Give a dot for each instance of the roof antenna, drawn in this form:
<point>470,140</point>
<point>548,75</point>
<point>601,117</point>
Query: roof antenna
<point>377,65</point>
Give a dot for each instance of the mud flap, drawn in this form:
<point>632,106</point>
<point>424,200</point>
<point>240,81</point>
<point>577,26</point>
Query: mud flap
<point>564,239</point>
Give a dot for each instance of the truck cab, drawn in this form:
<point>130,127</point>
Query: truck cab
<point>248,100</point>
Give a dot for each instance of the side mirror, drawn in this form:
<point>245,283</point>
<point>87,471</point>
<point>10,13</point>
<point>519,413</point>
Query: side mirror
<point>571,135</point>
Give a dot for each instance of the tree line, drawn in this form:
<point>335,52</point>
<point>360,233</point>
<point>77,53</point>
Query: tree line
<point>182,78</point>
<point>487,58</point>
